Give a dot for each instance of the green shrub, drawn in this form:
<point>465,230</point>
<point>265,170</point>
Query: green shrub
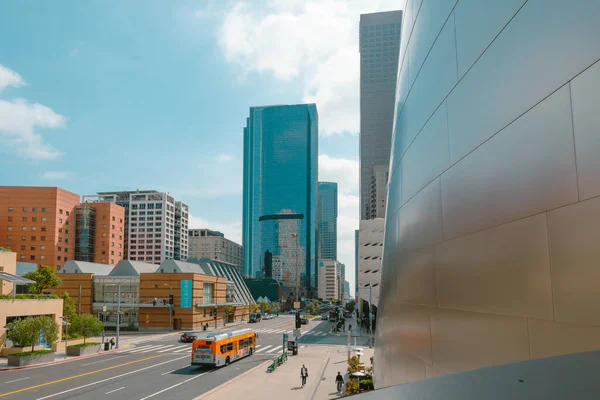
<point>25,332</point>
<point>86,325</point>
<point>351,387</point>
<point>28,297</point>
<point>31,353</point>
<point>88,344</point>
<point>353,365</point>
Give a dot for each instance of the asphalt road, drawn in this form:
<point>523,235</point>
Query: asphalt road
<point>154,369</point>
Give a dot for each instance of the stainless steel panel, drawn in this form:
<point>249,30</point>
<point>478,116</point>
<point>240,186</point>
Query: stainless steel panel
<point>549,338</point>
<point>463,341</point>
<point>526,169</point>
<point>430,144</point>
<point>429,23</point>
<point>507,80</point>
<point>420,219</point>
<point>585,97</point>
<point>408,17</point>
<point>502,270</point>
<point>431,86</point>
<point>394,200</point>
<point>405,368</point>
<point>487,18</point>
<point>432,372</point>
<point>412,329</point>
<point>415,277</point>
<point>575,255</point>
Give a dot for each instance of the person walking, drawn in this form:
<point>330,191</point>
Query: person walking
<point>339,380</point>
<point>303,374</point>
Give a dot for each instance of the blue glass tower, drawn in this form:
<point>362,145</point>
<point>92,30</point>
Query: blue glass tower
<point>280,192</point>
<point>327,220</point>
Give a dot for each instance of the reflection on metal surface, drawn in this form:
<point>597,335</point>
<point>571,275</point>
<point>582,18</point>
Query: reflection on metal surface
<point>490,251</point>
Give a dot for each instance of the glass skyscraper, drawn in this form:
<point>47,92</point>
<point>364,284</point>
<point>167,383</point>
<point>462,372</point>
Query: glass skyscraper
<point>280,192</point>
<point>379,49</point>
<point>327,220</point>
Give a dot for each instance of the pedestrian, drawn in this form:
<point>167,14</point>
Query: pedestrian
<point>339,380</point>
<point>112,342</point>
<point>350,327</point>
<point>303,374</point>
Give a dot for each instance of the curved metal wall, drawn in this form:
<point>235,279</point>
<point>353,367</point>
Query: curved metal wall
<point>491,249</point>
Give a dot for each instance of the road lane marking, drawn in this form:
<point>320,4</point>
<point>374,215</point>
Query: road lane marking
<point>274,349</point>
<point>186,348</point>
<point>263,349</point>
<point>116,390</point>
<point>17,380</point>
<point>144,350</point>
<point>168,348</point>
<point>166,373</point>
<point>101,361</point>
<point>108,379</point>
<point>177,384</point>
<point>77,376</point>
<point>156,348</point>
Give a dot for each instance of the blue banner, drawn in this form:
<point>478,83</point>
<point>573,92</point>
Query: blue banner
<point>186,294</point>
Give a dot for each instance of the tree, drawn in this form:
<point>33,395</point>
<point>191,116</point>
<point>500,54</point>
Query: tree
<point>26,332</point>
<point>68,305</point>
<point>313,308</point>
<point>86,325</point>
<point>254,308</point>
<point>45,277</point>
<point>350,306</point>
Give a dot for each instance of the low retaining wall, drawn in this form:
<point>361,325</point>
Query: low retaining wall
<point>82,351</point>
<point>20,361</point>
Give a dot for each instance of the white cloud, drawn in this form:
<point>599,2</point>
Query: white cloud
<point>55,175</point>
<point>313,40</point>
<point>8,77</point>
<point>224,157</point>
<point>232,230</point>
<point>19,121</point>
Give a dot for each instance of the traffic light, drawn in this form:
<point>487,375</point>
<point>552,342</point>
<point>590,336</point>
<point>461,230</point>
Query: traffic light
<point>119,319</point>
<point>171,299</point>
<point>298,320</point>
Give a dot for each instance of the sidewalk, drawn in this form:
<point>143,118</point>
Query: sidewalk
<point>322,362</point>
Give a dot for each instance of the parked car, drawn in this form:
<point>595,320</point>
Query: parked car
<point>304,321</point>
<point>188,337</point>
<point>255,317</point>
<point>268,316</point>
<point>324,317</point>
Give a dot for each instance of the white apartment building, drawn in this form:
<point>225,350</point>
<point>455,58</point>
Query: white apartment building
<point>204,243</point>
<point>330,280</point>
<point>156,226</point>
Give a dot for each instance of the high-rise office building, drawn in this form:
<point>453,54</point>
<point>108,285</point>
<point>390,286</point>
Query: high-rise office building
<point>327,213</point>
<point>280,191</point>
<point>204,243</point>
<point>49,226</point>
<point>379,47</point>
<point>156,225</point>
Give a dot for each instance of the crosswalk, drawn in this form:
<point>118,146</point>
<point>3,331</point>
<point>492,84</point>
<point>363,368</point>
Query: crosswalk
<point>281,331</point>
<point>181,349</point>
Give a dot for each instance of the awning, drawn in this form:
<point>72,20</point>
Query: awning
<point>6,277</point>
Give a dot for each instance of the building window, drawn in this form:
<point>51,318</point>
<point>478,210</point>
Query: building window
<point>112,244</point>
<point>60,220</point>
<point>113,218</point>
<point>104,234</point>
<point>43,228</point>
<point>23,237</point>
<point>67,213</point>
<point>66,250</point>
<point>42,247</point>
<point>43,219</point>
<point>34,209</point>
<point>24,228</point>
<point>65,258</point>
<point>104,217</point>
<point>9,228</point>
<point>24,219</point>
<point>9,238</point>
<point>10,209</point>
<point>103,226</point>
<point>66,240</point>
<point>33,219</point>
<point>22,257</point>
<point>112,261</point>
<point>103,243</point>
<point>23,247</point>
<point>24,209</point>
<point>67,231</point>
<point>42,257</point>
<point>44,209</point>
<point>42,238</point>
<point>58,258</point>
<point>103,252</point>
<point>113,227</point>
<point>59,230</point>
<point>60,239</point>
<point>33,228</point>
<point>103,261</point>
<point>60,211</point>
<point>32,258</point>
<point>59,248</point>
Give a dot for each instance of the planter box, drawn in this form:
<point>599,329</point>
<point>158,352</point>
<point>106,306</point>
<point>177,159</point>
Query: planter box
<point>20,361</point>
<point>82,351</point>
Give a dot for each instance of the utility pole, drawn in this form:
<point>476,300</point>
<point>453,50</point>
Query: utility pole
<point>295,235</point>
<point>170,308</point>
<point>371,313</point>
<point>118,312</point>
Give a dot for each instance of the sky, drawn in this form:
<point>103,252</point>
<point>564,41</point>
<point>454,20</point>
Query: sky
<point>148,94</point>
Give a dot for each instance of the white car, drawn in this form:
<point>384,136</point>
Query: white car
<point>268,316</point>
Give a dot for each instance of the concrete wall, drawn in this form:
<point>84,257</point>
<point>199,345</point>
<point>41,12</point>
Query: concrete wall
<point>8,264</point>
<point>70,284</point>
<point>21,308</point>
<point>491,245</point>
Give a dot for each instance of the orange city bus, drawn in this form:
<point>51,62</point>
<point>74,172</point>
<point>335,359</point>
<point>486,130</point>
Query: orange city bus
<point>222,348</point>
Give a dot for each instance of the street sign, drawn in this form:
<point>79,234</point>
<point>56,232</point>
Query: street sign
<point>285,336</point>
<point>103,308</point>
<point>297,305</point>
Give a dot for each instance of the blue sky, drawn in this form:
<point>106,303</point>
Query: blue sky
<point>154,95</point>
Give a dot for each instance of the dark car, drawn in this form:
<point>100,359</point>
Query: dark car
<point>189,337</point>
<point>304,321</point>
<point>255,317</point>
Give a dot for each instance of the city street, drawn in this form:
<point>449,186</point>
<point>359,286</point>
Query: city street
<point>151,368</point>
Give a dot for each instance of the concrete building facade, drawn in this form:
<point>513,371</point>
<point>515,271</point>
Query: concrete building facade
<point>205,243</point>
<point>156,225</point>
<point>370,254</point>
<point>379,42</point>
<point>330,284</point>
<point>491,243</point>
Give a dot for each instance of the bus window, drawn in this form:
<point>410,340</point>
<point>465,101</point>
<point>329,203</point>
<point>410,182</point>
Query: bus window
<point>230,347</point>
<point>223,349</point>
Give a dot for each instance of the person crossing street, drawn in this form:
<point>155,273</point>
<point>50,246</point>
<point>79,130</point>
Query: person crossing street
<point>303,374</point>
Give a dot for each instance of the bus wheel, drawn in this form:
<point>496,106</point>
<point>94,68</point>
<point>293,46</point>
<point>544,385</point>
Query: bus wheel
<point>227,361</point>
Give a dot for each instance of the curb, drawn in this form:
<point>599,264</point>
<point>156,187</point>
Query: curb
<point>221,386</point>
<point>61,361</point>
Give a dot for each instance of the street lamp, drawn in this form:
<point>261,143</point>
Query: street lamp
<point>66,323</point>
<point>295,235</point>
<point>170,308</point>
